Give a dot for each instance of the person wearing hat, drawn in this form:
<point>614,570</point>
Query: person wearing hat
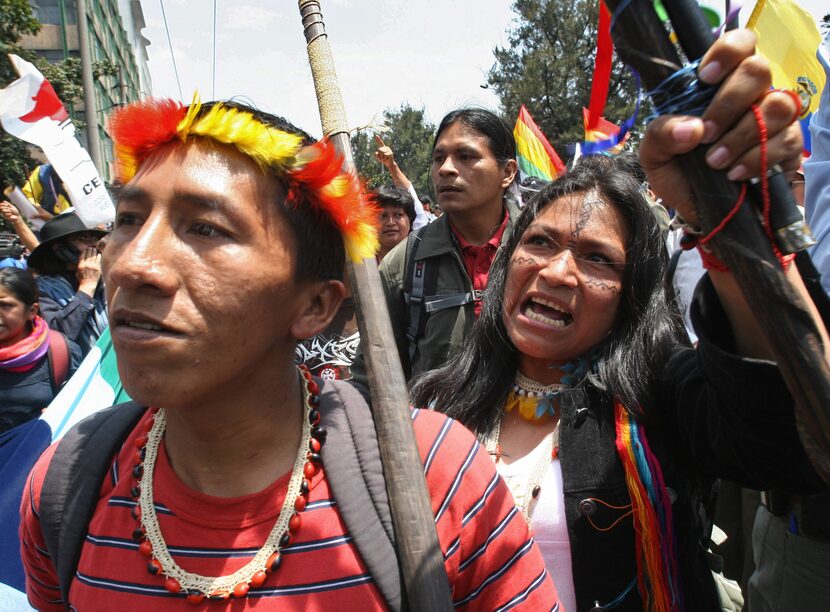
<point>68,265</point>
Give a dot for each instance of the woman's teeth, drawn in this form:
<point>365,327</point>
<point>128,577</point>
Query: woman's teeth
<point>532,309</point>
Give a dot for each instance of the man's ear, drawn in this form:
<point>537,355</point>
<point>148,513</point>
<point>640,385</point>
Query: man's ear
<point>510,169</point>
<point>324,301</point>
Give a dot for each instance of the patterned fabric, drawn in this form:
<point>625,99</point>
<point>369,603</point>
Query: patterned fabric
<point>491,560</point>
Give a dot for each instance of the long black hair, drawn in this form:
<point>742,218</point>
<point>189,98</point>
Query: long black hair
<point>473,385</point>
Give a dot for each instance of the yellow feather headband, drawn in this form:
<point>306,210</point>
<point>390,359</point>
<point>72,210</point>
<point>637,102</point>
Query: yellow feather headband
<point>313,171</point>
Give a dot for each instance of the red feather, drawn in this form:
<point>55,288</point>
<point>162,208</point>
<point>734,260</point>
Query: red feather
<point>141,127</point>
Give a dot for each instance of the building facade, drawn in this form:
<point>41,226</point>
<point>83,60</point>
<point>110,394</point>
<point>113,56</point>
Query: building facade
<point>115,37</point>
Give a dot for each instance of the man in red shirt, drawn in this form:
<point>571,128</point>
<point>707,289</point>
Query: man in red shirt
<point>227,249</point>
<point>434,281</point>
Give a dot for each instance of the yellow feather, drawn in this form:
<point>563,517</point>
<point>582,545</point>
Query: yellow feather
<point>267,146</point>
<point>183,129</point>
<point>525,405</point>
<point>270,148</point>
<point>362,244</point>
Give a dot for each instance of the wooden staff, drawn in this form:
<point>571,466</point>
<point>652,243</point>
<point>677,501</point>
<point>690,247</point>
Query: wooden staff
<point>422,562</point>
<point>642,41</point>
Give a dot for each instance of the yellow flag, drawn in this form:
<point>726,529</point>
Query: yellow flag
<point>788,38</point>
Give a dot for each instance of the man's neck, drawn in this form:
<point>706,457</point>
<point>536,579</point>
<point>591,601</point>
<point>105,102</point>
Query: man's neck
<point>241,442</point>
<point>476,227</point>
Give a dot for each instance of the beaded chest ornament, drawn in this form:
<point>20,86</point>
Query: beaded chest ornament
<point>268,559</point>
<point>536,402</point>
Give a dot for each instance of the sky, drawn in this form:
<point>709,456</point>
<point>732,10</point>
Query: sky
<point>433,54</point>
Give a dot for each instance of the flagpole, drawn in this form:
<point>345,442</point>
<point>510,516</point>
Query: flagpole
<point>743,245</point>
<point>422,562</point>
<point>90,106</point>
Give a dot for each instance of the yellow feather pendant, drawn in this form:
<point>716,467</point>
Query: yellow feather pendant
<point>527,407</point>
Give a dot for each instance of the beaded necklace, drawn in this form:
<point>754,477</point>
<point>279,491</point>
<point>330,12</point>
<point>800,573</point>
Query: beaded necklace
<point>537,402</point>
<point>268,559</point>
<point>534,401</point>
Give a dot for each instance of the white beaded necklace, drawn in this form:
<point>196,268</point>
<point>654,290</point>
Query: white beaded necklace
<point>208,585</point>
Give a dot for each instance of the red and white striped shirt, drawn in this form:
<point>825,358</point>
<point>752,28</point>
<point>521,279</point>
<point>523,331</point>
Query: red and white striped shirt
<point>490,557</point>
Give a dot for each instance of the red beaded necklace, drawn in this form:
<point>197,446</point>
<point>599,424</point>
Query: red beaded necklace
<point>197,588</point>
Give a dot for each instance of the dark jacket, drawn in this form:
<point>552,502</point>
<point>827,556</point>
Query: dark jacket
<point>24,395</point>
<point>79,317</point>
<point>715,415</point>
<point>445,330</point>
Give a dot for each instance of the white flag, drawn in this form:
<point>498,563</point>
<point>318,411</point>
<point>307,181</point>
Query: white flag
<point>31,111</point>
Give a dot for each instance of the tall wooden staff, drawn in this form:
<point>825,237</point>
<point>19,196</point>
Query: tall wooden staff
<point>642,42</point>
<point>422,562</point>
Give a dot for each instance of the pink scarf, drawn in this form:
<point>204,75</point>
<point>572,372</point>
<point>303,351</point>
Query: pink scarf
<point>26,353</point>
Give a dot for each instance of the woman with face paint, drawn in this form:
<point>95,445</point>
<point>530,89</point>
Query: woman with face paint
<point>578,377</point>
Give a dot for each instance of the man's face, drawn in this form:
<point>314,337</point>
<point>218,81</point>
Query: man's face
<point>199,276</point>
<point>466,174</point>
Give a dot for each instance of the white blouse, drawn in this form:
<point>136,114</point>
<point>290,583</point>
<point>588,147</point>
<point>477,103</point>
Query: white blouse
<point>550,529</point>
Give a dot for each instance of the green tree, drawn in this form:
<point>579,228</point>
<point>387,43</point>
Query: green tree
<point>547,66</point>
<point>409,136</point>
<point>369,169</point>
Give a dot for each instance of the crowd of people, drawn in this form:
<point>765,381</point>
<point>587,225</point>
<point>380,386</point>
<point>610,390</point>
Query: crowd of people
<point>56,279</point>
<point>573,414</point>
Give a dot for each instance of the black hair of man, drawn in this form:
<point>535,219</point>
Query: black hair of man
<point>499,135</point>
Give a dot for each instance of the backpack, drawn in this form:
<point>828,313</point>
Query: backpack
<point>420,284</point>
<point>58,360</point>
<point>350,455</point>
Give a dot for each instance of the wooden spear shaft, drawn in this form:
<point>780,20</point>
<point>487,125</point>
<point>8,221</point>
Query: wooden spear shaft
<point>422,562</point>
<point>642,42</point>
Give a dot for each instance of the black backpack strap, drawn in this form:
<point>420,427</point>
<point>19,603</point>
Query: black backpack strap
<point>414,291</point>
<point>73,483</point>
<point>436,303</point>
<point>353,468</point>
<point>420,283</point>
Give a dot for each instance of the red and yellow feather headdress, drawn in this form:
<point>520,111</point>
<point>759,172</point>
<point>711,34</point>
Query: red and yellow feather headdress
<point>316,170</point>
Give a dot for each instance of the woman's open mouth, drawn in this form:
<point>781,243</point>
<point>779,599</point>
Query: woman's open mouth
<point>546,312</point>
